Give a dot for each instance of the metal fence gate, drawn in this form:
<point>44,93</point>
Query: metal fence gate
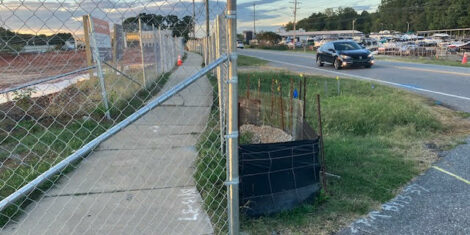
<point>118,117</point>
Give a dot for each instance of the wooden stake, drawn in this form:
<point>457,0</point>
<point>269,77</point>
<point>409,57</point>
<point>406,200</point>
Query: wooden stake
<point>291,104</point>
<point>272,96</point>
<point>282,107</point>
<point>305,96</point>
<point>89,57</point>
<point>259,89</point>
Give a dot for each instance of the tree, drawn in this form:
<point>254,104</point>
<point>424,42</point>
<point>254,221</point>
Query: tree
<point>180,27</point>
<point>364,22</point>
<point>393,15</point>
<point>269,37</point>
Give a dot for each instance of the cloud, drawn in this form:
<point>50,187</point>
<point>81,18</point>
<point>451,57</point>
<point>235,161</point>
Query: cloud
<point>363,7</point>
<point>264,10</point>
<point>274,13</point>
<point>52,16</point>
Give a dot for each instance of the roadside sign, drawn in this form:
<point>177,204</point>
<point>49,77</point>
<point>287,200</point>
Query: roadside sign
<point>98,49</point>
<point>97,31</point>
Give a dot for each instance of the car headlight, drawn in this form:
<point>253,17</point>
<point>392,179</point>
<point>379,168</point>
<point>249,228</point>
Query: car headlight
<point>345,57</point>
<point>370,55</point>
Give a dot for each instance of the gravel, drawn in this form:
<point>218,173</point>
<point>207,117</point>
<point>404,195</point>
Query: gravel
<point>265,134</point>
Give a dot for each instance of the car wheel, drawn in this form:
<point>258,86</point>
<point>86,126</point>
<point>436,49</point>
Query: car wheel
<point>319,63</point>
<point>337,64</point>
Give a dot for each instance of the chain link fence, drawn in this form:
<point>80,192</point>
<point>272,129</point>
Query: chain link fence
<point>115,117</point>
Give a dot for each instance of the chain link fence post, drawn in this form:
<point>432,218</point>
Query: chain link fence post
<point>96,57</point>
<point>144,76</point>
<point>85,114</point>
<point>162,49</point>
<point>155,52</point>
<point>218,25</point>
<point>233,180</point>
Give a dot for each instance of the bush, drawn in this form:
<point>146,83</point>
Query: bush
<point>273,47</point>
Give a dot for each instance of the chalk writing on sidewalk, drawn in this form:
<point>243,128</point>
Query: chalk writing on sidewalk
<point>388,210</point>
<point>189,199</point>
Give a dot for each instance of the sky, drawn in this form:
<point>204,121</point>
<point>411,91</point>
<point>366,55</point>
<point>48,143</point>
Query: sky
<point>53,16</point>
<point>272,14</point>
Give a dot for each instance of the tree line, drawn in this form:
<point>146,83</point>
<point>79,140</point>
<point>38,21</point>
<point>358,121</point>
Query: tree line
<point>180,27</point>
<point>13,42</point>
<point>392,15</point>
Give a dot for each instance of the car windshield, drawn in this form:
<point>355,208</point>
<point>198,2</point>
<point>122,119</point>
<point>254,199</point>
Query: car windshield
<point>346,46</point>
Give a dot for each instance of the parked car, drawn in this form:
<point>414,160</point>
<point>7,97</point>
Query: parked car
<point>407,49</point>
<point>297,44</point>
<point>240,45</point>
<point>344,53</point>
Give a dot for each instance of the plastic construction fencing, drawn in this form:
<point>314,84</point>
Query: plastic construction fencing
<point>276,177</point>
<point>102,132</point>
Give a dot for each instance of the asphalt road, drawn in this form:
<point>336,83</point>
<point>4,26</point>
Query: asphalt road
<point>449,85</point>
<point>437,202</point>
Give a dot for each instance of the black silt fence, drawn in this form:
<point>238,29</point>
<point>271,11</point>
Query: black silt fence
<point>278,176</point>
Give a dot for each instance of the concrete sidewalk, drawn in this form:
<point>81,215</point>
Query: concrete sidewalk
<point>139,181</point>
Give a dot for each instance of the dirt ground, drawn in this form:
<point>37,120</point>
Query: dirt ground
<point>265,134</point>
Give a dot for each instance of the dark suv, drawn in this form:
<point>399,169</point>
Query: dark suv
<point>344,53</point>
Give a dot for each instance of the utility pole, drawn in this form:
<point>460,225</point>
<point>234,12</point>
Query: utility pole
<point>194,20</point>
<point>254,20</point>
<point>295,22</point>
<point>408,30</point>
<point>206,44</point>
<point>207,18</point>
<point>353,28</point>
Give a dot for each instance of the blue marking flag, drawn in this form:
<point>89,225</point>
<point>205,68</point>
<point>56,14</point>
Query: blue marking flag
<point>296,94</point>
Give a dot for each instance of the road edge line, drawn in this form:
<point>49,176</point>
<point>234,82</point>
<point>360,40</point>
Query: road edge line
<point>451,174</point>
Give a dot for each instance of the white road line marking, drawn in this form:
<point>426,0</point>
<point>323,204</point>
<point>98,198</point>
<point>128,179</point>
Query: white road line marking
<point>366,78</point>
<point>433,71</point>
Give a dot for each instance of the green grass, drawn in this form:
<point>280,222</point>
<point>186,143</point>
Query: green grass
<point>244,60</point>
<point>210,172</point>
<point>422,60</point>
<point>43,136</point>
<point>375,140</point>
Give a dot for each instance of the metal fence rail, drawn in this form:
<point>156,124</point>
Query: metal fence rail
<point>108,122</point>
